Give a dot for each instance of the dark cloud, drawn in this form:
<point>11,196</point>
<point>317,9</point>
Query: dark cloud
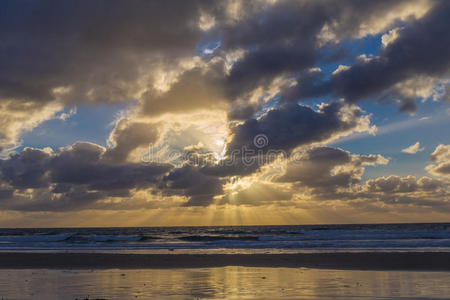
<point>74,173</point>
<point>75,53</point>
<point>257,142</point>
<point>393,184</point>
<point>421,49</point>
<point>324,169</point>
<point>77,177</point>
<point>100,51</point>
<point>76,198</point>
<point>55,54</point>
<point>313,168</point>
<point>395,191</point>
<point>80,174</point>
<point>81,164</point>
<point>127,136</point>
<point>28,169</point>
<point>240,164</point>
<point>242,110</point>
<point>6,194</point>
<point>295,125</point>
<point>260,67</point>
<point>282,40</point>
<point>95,47</point>
<point>190,182</point>
<point>285,39</point>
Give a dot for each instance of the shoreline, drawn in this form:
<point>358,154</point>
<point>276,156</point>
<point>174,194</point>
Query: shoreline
<point>389,261</point>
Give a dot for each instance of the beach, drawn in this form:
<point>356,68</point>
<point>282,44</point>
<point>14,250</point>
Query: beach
<point>395,275</point>
<point>389,261</point>
<point>406,261</point>
<point>230,282</point>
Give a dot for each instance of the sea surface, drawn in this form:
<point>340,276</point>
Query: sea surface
<point>231,239</point>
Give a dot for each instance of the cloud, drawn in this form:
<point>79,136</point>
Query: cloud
<point>56,54</point>
<point>71,177</point>
<point>189,181</point>
<point>441,153</point>
<point>194,89</point>
<point>395,184</point>
<point>263,57</point>
<point>392,194</point>
<point>396,190</point>
<point>127,136</point>
<point>257,142</point>
<point>78,177</point>
<point>389,194</point>
<point>259,193</point>
<point>293,125</point>
<point>413,149</point>
<point>149,52</point>
<point>325,168</point>
<point>85,173</point>
<point>390,37</point>
<point>322,178</point>
<point>91,51</point>
<point>440,159</point>
<point>442,169</point>
<point>17,118</point>
<point>280,46</point>
<point>401,60</point>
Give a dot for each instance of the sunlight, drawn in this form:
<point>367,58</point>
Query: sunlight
<point>220,154</point>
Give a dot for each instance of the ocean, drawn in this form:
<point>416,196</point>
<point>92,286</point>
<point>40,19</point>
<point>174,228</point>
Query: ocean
<point>231,239</point>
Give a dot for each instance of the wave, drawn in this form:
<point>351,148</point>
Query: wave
<point>115,238</point>
<point>35,238</point>
<point>211,238</point>
<point>231,232</point>
<point>413,236</point>
<point>279,238</point>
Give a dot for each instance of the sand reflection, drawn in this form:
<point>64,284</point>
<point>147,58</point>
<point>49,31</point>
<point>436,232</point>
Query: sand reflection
<point>220,283</point>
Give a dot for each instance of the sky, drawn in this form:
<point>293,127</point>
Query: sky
<point>172,113</point>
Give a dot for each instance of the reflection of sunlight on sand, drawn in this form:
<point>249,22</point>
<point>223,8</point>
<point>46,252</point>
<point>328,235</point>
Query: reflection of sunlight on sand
<point>220,283</point>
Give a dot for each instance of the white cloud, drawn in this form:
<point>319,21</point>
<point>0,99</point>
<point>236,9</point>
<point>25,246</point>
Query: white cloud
<point>440,159</point>
<point>413,149</point>
<point>390,37</point>
<point>340,68</point>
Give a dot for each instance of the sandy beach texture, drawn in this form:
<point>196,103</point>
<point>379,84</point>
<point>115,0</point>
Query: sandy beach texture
<point>430,261</point>
<point>231,282</point>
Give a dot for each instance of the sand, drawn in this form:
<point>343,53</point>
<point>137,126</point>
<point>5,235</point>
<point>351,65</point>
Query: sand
<point>224,276</point>
<point>426,261</point>
<point>222,283</point>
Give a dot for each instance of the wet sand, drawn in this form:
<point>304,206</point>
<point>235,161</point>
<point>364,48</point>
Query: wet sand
<point>407,261</point>
<point>222,283</point>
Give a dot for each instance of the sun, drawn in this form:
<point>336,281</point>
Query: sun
<point>220,143</point>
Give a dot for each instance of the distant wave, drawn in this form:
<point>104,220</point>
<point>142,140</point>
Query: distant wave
<point>377,237</point>
<point>114,238</point>
<point>206,238</point>
<point>35,238</point>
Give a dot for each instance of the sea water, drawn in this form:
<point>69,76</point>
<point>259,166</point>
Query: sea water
<point>232,239</point>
